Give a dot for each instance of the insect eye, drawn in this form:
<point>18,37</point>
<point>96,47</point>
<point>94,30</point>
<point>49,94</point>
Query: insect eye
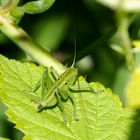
<point>66,83</point>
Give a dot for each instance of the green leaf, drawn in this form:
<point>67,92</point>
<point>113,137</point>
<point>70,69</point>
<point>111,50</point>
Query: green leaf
<point>32,7</point>
<point>36,7</point>
<point>100,114</point>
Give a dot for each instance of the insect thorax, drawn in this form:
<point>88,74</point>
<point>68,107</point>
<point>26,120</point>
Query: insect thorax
<point>69,75</point>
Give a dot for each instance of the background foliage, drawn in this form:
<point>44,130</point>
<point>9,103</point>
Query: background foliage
<point>96,25</point>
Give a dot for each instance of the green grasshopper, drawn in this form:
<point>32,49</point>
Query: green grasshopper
<point>57,89</point>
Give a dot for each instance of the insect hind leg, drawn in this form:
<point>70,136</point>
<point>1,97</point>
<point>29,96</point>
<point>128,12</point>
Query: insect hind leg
<point>61,107</point>
<point>73,100</point>
<point>34,88</point>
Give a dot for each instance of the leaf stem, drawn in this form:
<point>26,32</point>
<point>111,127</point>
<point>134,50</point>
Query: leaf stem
<point>24,41</point>
<point>123,27</point>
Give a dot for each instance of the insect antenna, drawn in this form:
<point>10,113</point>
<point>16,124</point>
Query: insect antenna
<point>74,58</point>
<point>74,34</point>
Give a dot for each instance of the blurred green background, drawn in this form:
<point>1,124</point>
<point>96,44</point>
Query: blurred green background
<point>93,26</point>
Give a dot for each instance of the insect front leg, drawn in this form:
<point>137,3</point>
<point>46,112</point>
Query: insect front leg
<point>35,87</point>
<point>38,83</point>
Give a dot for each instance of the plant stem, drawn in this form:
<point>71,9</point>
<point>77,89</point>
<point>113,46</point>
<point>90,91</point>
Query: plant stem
<point>24,41</point>
<point>123,27</point>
